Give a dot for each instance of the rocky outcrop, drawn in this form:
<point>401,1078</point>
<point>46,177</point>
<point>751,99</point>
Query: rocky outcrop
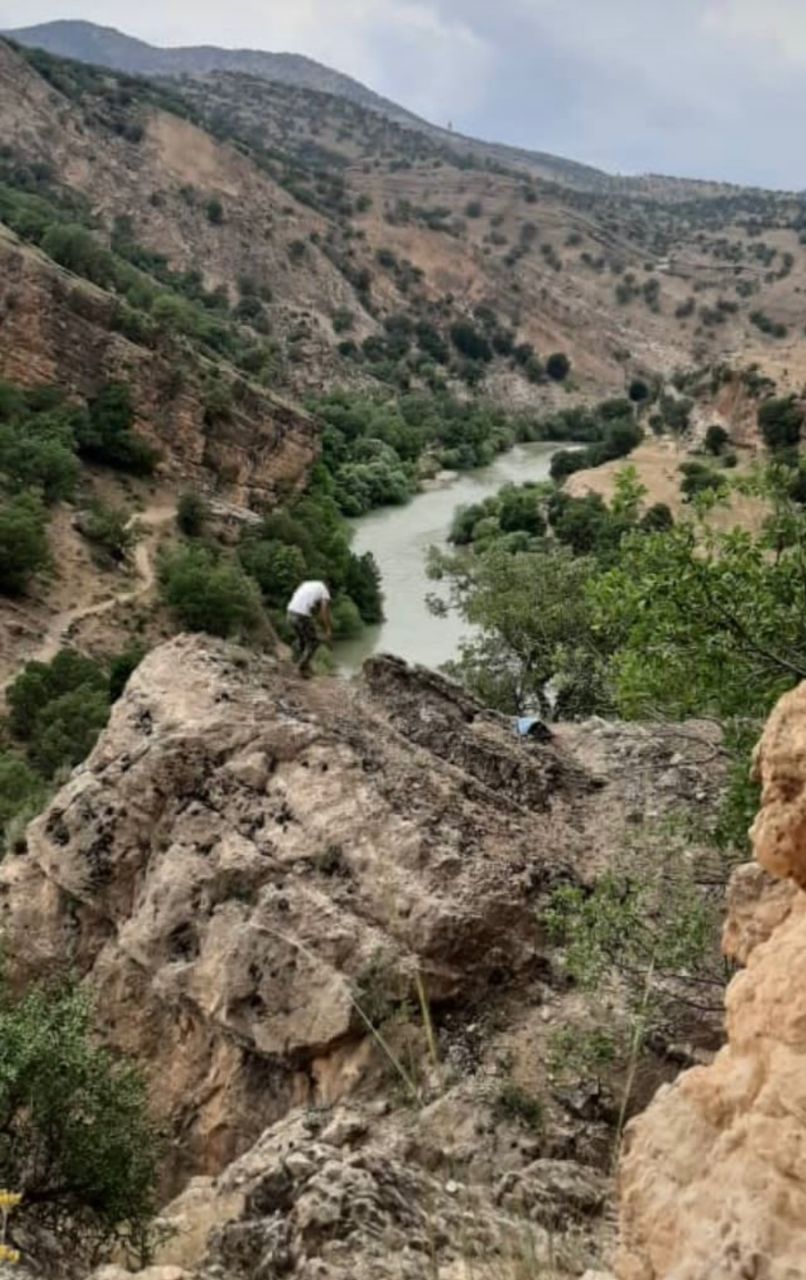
<point>341,1197</point>
<point>247,867</point>
<point>713,1183</point>
<point>313,911</point>
<point>55,328</point>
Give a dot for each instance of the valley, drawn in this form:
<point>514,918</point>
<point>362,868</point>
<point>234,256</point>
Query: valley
<point>338,978</point>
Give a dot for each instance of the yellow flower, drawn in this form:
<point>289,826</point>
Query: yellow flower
<point>7,1254</point>
<point>9,1199</point>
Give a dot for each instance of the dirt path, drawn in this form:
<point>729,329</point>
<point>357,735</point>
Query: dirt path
<point>62,626</point>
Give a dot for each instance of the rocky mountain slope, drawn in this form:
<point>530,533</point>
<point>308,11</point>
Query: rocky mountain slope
<point>369,241</point>
<point>313,913</point>
<point>106,47</point>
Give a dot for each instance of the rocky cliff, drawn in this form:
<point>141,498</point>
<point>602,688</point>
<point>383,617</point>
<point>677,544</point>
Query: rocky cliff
<point>312,911</point>
<point>55,328</point>
<point>714,1176</point>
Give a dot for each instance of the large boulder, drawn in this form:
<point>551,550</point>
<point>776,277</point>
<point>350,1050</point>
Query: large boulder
<point>249,871</point>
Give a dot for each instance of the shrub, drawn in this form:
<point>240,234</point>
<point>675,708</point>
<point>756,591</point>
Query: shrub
<point>638,391</point>
<point>657,518</point>
<point>716,437</point>
<point>516,1103</point>
<point>67,732</point>
<point>558,366</point>
<point>104,433</point>
<point>781,421</point>
<point>191,514</point>
<point>24,548</point>
<point>474,209</point>
<point>37,452</point>
<point>212,595</point>
<point>469,342</point>
<point>343,319</point>
<point>108,528</point>
<point>698,478</point>
<point>363,585</point>
<point>347,621</point>
<point>277,568</point>
<point>566,461</point>
<point>41,683</point>
<point>774,328</point>
<point>58,709</point>
<point>120,669</point>
<point>76,1139</point>
<point>215,211</point>
<point>20,788</point>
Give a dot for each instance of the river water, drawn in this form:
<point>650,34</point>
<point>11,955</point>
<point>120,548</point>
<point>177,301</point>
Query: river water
<point>399,538</point>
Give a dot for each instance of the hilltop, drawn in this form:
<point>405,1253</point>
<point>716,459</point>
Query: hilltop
<point>107,47</point>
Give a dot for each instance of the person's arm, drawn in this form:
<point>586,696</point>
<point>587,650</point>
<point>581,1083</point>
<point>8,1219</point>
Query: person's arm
<point>327,620</point>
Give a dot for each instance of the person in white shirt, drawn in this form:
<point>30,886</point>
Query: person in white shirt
<point>309,599</point>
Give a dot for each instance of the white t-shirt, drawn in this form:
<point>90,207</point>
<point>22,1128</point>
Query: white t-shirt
<point>308,597</point>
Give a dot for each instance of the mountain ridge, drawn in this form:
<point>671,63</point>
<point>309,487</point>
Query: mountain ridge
<point>108,47</point>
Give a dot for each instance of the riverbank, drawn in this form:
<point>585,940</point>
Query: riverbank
<point>399,538</point>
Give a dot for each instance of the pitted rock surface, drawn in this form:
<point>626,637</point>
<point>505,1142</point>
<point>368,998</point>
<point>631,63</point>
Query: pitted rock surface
<point>242,853</point>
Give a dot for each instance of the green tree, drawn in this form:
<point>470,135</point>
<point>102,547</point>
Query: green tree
<point>39,683</point>
<point>363,585</point>
<point>38,452</point>
<point>24,549</point>
<point>558,366</point>
<point>710,623</point>
<point>469,342</point>
<point>191,514</point>
<point>277,568</point>
<point>69,729</point>
<point>21,789</point>
<point>531,612</point>
<point>781,422</point>
<point>210,594</point>
<point>76,1138</point>
<point>716,438</point>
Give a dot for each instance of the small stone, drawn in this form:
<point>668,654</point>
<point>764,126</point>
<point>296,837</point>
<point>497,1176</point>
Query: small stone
<point>452,1188</point>
<point>344,1130</point>
<point>299,1165</point>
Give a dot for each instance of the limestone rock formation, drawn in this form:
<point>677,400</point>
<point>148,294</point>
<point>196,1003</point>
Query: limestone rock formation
<point>713,1184</point>
<point>244,860</point>
<point>340,1197</point>
<point>251,874</point>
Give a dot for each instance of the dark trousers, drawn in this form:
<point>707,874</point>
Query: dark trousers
<point>306,640</point>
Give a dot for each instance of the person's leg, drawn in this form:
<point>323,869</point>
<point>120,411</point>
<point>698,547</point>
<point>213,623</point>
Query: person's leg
<point>309,643</point>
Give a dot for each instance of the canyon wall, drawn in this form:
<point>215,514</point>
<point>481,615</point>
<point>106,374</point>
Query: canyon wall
<point>713,1180</point>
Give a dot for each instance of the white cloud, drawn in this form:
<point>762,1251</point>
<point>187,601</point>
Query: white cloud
<point>772,32</point>
<point>430,61</point>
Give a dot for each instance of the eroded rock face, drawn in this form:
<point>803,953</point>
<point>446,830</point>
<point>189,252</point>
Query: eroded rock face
<point>339,1196</point>
<point>244,858</point>
<point>713,1183</point>
<point>56,329</point>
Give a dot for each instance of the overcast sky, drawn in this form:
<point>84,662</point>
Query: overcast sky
<point>703,88</point>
